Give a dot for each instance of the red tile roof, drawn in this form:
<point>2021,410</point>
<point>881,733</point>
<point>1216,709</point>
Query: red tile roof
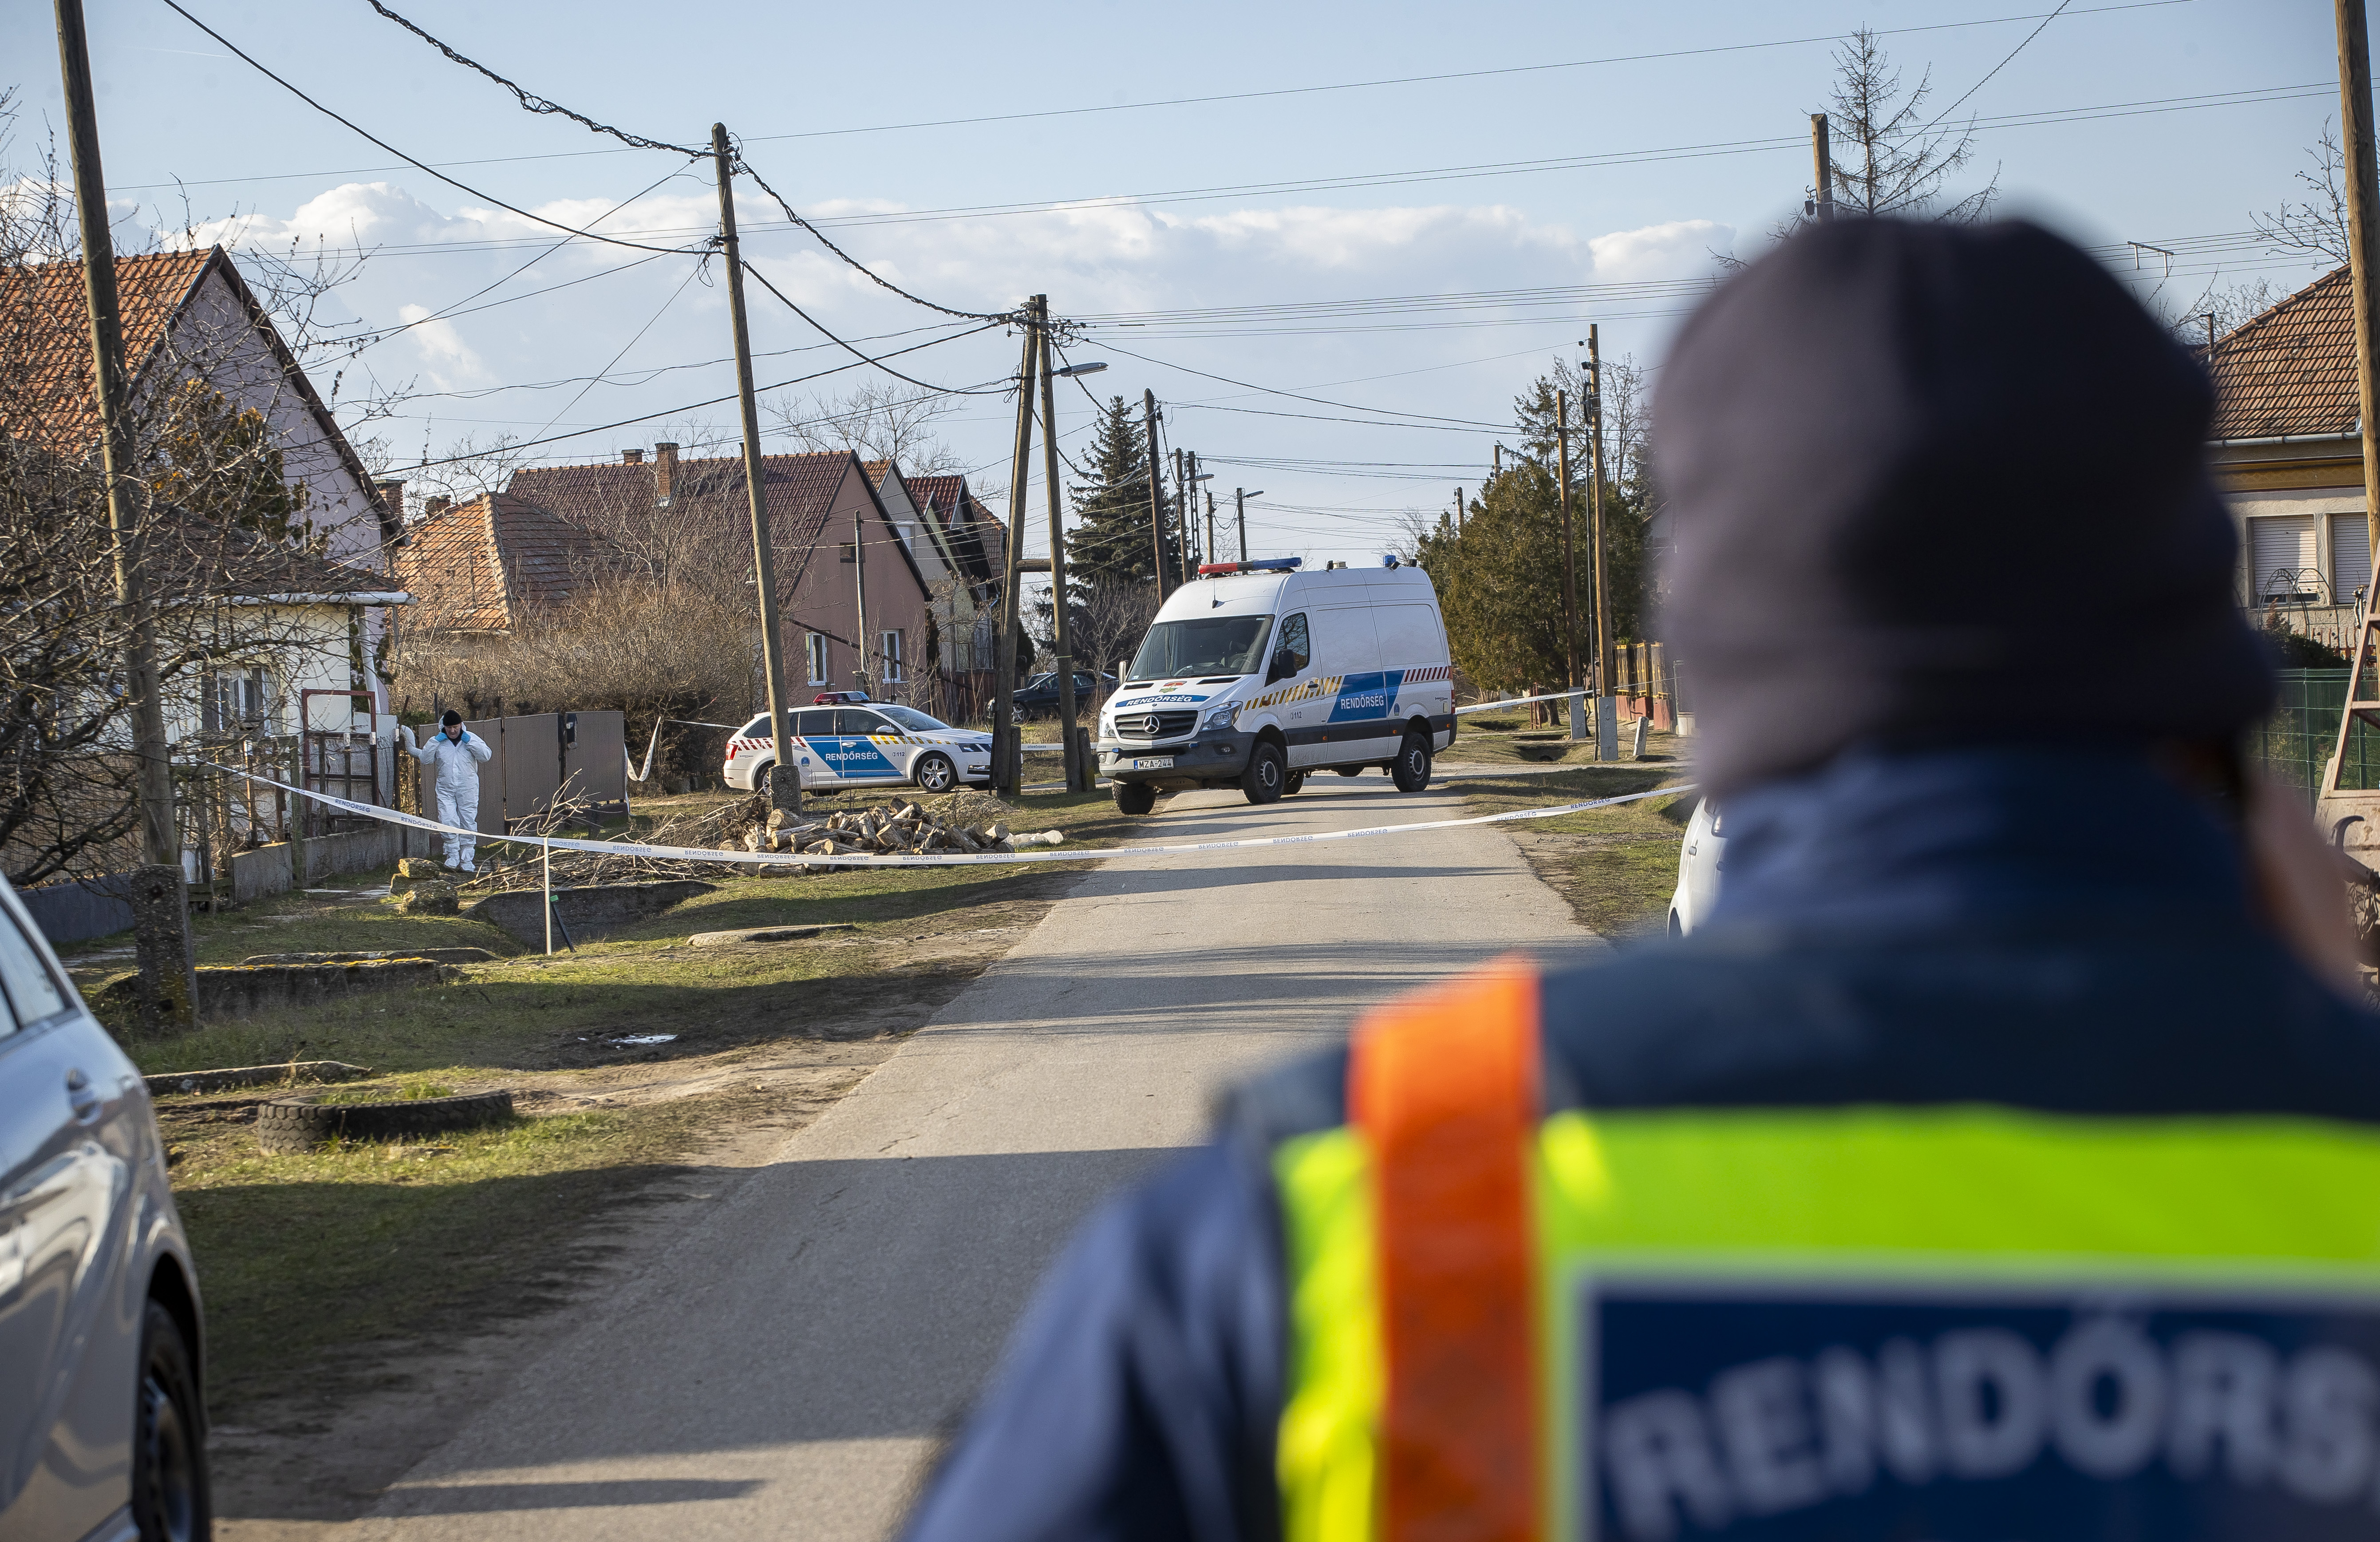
<point>477,567</point>
<point>799,490</point>
<point>2290,370</point>
<point>45,384</point>
<point>979,540</point>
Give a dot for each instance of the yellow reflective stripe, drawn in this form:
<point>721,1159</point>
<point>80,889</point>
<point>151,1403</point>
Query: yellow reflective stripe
<point>1330,1416</point>
<point>2265,1195</point>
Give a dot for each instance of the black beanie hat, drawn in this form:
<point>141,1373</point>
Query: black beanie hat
<point>451,719</point>
<point>1933,484</point>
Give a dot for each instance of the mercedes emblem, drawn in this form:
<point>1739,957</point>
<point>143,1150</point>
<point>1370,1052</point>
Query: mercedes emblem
<point>1149,726</point>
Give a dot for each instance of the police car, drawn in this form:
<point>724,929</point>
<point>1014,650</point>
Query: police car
<point>846,746</point>
<point>1700,858</point>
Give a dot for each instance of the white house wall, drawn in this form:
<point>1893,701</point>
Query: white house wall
<point>2319,504</point>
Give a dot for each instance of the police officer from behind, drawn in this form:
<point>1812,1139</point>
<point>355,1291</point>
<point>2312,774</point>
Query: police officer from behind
<point>454,755</point>
<point>2003,1161</point>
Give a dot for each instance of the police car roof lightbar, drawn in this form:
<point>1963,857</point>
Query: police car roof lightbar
<point>1261,564</point>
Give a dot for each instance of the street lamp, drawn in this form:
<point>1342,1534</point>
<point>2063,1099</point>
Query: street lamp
<point>1091,368</point>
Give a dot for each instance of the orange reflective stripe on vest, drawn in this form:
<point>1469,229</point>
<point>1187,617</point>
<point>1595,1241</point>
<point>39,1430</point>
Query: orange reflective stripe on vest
<point>1444,1089</point>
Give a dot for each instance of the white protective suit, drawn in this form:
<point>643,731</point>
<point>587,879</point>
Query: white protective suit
<point>457,764</point>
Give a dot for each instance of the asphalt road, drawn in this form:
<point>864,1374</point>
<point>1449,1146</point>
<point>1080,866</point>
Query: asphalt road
<point>788,1372</point>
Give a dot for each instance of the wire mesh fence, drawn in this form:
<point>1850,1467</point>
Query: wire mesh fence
<point>2294,744</point>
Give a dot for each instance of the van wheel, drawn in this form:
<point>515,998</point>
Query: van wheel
<point>1267,774</point>
<point>1411,767</point>
<point>1290,786</point>
<point>1133,797</point>
<point>935,774</point>
<point>169,1460</point>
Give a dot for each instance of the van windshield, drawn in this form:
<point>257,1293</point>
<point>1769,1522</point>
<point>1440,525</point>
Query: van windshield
<point>1210,645</point>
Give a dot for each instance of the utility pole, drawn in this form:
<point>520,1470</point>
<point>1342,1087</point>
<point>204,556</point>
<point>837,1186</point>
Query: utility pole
<point>1156,493</point>
<point>1067,707</point>
<point>2364,242</point>
<point>1458,510</point>
<point>859,582</point>
<point>784,781</point>
<point>161,906</point>
<point>1500,458</point>
<point>1206,551</point>
<point>1212,547</point>
<point>1606,706</point>
<point>1240,503</point>
<point>1570,547</point>
<point>1182,509</point>
<point>1824,160</point>
<point>1007,759</point>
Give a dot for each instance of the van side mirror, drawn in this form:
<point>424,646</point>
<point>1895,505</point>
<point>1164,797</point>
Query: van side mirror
<point>1283,666</point>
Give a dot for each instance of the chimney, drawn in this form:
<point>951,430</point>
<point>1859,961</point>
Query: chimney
<point>632,457</point>
<point>435,507</point>
<point>664,471</point>
<point>392,511</point>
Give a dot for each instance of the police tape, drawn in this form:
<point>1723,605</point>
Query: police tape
<point>802,859</point>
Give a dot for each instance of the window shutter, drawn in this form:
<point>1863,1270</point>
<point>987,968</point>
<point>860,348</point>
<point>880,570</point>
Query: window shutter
<point>2280,549</point>
<point>2350,557</point>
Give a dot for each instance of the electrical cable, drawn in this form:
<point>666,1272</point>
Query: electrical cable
<point>672,412</point>
<point>531,101</point>
<point>384,333</point>
<point>1993,70</point>
<point>1423,418</point>
<point>989,322</point>
<point>419,166</point>
<point>691,277</point>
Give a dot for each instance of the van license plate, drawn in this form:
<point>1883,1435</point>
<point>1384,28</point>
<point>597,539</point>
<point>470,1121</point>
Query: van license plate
<point>1155,762</point>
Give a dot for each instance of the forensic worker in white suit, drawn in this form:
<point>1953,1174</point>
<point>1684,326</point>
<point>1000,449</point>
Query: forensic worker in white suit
<point>455,755</point>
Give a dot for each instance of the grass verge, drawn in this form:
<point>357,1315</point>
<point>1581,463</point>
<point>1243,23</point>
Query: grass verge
<point>1616,867</point>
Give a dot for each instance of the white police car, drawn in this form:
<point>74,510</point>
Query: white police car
<point>1700,858</point>
<point>849,746</point>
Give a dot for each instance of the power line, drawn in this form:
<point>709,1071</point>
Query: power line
<point>551,224</point>
<point>691,277</point>
<point>531,101</point>
<point>1987,78</point>
<point>989,321</point>
<point>690,406</point>
<point>1424,417</point>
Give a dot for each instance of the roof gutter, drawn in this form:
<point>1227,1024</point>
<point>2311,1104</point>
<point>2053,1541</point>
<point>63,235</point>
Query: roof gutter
<point>2283,439</point>
<point>370,597</point>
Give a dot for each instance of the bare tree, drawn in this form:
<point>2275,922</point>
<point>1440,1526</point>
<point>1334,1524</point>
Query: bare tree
<point>2318,226</point>
<point>1888,161</point>
<point>875,421</point>
<point>468,469</point>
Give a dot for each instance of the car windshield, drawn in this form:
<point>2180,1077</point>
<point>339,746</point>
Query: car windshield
<point>1210,645</point>
<point>912,719</point>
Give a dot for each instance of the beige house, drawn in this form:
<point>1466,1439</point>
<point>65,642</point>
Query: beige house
<point>2287,458</point>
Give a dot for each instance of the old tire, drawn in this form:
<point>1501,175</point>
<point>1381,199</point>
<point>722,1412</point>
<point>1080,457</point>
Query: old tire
<point>934,774</point>
<point>1133,797</point>
<point>170,1501</point>
<point>1267,775</point>
<point>1411,767</point>
<point>1296,781</point>
<point>301,1123</point>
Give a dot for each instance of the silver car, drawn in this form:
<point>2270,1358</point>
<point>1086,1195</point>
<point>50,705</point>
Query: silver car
<point>103,1432</point>
<point>1700,858</point>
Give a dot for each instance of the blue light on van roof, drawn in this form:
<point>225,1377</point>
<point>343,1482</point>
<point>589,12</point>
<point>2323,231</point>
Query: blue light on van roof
<point>1259,564</point>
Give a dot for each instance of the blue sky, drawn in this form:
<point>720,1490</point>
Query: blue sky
<point>1129,208</point>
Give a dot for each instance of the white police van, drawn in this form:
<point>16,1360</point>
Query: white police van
<point>1257,674</point>
<point>849,744</point>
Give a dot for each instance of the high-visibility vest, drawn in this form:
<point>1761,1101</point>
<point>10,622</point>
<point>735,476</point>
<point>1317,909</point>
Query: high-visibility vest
<point>1951,1322</point>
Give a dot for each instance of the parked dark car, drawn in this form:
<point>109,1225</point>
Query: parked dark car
<point>1039,695</point>
<point>103,1430</point>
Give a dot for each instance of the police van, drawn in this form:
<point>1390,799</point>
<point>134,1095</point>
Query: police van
<point>1256,675</point>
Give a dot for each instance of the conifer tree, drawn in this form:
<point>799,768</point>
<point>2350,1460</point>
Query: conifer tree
<point>1110,543</point>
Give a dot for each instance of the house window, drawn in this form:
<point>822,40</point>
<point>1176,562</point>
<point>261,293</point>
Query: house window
<point>2351,558</point>
<point>2281,559</point>
<point>893,658</point>
<point>814,649</point>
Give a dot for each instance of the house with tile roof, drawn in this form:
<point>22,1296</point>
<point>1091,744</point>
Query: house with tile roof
<point>852,596</point>
<point>2287,453</point>
<point>189,317</point>
<point>960,537</point>
<point>476,568</point>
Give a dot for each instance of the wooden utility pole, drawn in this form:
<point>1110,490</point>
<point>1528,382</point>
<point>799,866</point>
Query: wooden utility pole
<point>1007,759</point>
<point>161,903</point>
<point>1067,706</point>
<point>786,780</point>
<point>1156,493</point>
<point>1570,550</point>
<point>1182,512</point>
<point>2364,242</point>
<point>1458,510</point>
<point>859,585</point>
<point>1240,503</point>
<point>1606,707</point>
<point>1824,160</point>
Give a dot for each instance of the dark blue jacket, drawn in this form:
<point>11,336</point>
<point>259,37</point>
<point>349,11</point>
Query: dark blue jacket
<point>2061,930</point>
